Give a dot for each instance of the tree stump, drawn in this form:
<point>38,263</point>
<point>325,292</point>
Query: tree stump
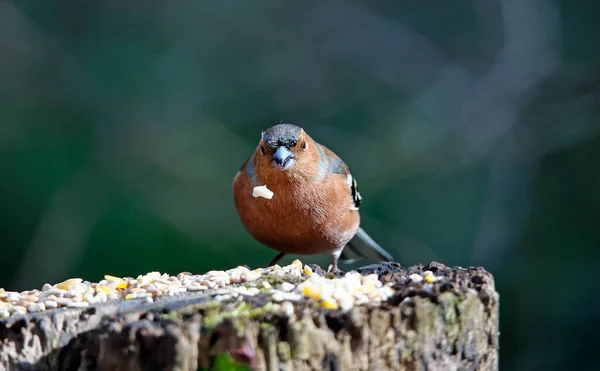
<point>446,323</point>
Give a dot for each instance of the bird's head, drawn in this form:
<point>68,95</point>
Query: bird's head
<point>282,145</point>
<point>286,151</point>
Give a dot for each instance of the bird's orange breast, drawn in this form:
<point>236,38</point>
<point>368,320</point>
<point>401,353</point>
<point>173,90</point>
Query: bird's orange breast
<point>303,217</point>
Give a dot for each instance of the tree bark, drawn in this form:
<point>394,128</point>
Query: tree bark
<point>451,324</point>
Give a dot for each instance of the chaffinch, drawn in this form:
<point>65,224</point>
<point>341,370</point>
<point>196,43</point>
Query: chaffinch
<point>314,204</point>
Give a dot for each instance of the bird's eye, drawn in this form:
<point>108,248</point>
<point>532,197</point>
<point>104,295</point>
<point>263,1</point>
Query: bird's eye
<point>303,145</point>
<point>262,150</point>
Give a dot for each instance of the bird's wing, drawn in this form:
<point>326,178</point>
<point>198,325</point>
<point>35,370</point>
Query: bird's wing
<point>361,246</point>
<point>337,166</point>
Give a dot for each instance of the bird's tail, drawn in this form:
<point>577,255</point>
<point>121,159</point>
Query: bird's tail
<point>361,246</point>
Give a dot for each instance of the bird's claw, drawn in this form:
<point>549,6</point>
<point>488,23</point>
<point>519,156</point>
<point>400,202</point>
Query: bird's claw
<point>334,270</point>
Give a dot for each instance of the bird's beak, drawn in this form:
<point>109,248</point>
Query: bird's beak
<point>283,158</point>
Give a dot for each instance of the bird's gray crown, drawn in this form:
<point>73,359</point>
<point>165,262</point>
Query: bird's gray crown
<point>282,135</point>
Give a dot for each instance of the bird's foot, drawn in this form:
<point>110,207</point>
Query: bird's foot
<point>334,271</point>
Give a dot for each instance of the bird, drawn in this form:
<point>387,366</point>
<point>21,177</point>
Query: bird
<point>314,204</point>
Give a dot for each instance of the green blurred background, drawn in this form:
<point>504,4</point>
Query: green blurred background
<point>473,128</point>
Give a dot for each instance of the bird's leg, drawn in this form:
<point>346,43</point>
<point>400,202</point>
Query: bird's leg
<point>335,255</point>
<point>276,259</point>
<point>333,266</point>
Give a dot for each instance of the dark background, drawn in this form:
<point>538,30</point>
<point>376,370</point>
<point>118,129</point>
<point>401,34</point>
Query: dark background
<point>473,128</point>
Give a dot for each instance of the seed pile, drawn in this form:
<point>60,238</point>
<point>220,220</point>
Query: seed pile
<point>332,293</point>
<point>345,292</point>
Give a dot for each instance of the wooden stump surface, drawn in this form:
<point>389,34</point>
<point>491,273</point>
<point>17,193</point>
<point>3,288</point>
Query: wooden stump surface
<point>450,324</point>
